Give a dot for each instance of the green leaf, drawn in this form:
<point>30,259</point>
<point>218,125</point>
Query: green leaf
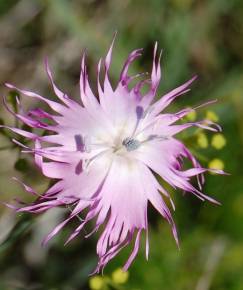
<point>22,225</point>
<point>21,165</point>
<point>12,99</point>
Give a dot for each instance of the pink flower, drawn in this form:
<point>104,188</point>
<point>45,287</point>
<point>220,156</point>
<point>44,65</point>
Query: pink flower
<point>105,152</point>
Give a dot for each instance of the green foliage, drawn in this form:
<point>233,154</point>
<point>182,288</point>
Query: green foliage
<point>21,165</point>
<point>203,37</point>
<point>12,100</point>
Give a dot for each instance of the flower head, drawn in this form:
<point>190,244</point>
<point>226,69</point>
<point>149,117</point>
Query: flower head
<point>104,152</point>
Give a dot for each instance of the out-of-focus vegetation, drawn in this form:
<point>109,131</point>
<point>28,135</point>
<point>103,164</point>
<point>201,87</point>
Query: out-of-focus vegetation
<point>203,37</point>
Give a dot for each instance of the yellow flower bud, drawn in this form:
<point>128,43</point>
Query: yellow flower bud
<point>218,141</point>
<point>212,116</point>
<point>96,283</point>
<point>216,163</point>
<point>202,140</point>
<point>191,116</point>
<point>119,276</point>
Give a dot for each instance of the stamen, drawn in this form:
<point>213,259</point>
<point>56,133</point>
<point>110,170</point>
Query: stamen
<point>88,162</point>
<point>87,144</point>
<point>147,111</point>
<point>141,115</point>
<point>158,137</point>
<point>131,144</point>
<point>152,123</point>
<point>83,143</point>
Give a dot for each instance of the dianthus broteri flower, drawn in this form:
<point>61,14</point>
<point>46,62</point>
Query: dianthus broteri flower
<point>104,151</point>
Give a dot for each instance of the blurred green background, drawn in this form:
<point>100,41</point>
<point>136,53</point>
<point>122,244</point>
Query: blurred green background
<point>203,37</point>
